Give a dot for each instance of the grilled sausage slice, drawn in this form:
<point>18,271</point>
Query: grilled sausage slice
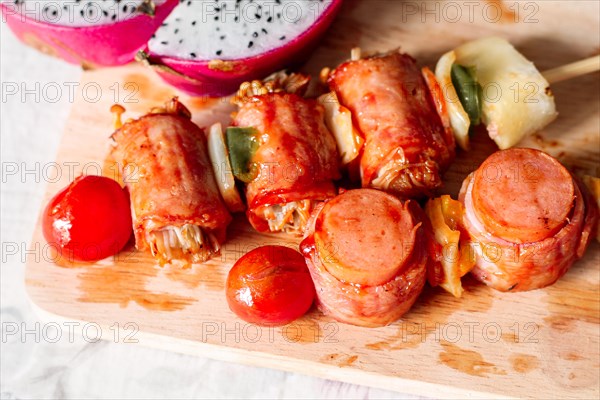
<point>528,219</point>
<point>365,253</point>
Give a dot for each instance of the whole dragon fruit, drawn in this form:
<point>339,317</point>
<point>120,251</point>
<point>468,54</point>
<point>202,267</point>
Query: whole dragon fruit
<point>90,33</point>
<point>210,47</point>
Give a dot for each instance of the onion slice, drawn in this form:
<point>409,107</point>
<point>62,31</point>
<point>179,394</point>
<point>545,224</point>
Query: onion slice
<point>339,122</point>
<point>219,157</point>
<point>459,119</point>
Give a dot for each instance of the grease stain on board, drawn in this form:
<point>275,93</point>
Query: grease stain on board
<point>410,335</point>
<point>140,86</point>
<point>571,357</point>
<point>210,276</point>
<point>126,282</point>
<point>524,363</point>
<point>341,360</point>
<point>561,323</point>
<point>304,331</point>
<point>467,361</point>
<point>573,314</point>
<point>568,311</point>
<point>510,337</point>
<point>433,306</point>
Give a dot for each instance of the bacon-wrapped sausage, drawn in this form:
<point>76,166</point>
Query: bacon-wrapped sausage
<point>527,218</point>
<point>296,160</point>
<point>177,211</point>
<point>365,251</point>
<point>407,148</point>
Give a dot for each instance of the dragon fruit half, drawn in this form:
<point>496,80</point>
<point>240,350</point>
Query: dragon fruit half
<point>204,47</point>
<point>90,33</point>
<point>208,47</point>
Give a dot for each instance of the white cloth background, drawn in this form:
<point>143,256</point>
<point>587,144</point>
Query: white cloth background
<point>33,368</point>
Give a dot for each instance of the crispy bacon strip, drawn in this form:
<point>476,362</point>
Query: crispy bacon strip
<point>178,213</point>
<point>407,147</point>
<point>297,160</point>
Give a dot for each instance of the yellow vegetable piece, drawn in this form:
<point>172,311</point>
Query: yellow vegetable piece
<point>445,215</point>
<point>593,184</point>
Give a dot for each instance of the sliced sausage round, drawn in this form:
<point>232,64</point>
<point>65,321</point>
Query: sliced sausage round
<point>365,253</point>
<point>527,229</point>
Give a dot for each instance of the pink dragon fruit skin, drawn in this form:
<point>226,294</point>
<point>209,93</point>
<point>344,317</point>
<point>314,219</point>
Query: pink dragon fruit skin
<point>101,45</point>
<point>213,78</point>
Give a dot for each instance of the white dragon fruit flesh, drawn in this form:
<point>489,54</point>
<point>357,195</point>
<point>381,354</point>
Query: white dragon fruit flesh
<point>210,47</point>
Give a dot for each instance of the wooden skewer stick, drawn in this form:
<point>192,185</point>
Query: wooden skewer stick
<point>573,70</point>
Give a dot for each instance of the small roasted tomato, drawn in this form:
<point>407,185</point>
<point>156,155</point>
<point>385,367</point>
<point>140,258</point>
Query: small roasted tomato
<point>88,220</point>
<point>270,285</point>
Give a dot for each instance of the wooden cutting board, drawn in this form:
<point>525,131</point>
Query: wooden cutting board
<point>543,343</point>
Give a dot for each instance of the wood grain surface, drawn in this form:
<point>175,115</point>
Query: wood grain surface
<point>543,343</point>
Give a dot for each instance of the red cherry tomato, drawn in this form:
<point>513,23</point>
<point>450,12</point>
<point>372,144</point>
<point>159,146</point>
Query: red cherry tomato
<point>88,220</point>
<point>270,285</point>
